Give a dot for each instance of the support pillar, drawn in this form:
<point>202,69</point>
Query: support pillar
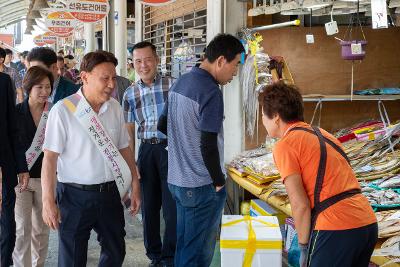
<point>111,28</point>
<point>121,31</point>
<point>88,33</point>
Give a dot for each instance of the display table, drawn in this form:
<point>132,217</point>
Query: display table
<point>280,203</point>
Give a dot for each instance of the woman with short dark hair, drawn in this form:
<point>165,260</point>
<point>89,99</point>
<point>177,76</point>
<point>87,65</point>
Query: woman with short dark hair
<point>32,235</point>
<point>334,221</point>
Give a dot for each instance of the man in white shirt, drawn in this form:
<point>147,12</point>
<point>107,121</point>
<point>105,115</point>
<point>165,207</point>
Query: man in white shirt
<point>87,193</point>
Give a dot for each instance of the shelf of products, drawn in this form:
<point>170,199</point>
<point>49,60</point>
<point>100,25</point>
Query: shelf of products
<point>374,156</point>
<point>333,98</point>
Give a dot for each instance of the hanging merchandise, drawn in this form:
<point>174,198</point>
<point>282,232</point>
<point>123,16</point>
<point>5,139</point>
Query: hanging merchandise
<point>60,23</point>
<point>88,10</point>
<point>353,49</point>
<point>255,76</point>
<point>156,2</point>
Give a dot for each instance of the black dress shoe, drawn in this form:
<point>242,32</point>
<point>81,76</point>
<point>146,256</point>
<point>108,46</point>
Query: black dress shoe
<point>167,262</point>
<point>155,263</point>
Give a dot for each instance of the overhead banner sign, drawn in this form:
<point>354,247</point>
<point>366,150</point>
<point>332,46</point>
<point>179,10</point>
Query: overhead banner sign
<point>156,2</point>
<point>49,38</point>
<point>88,10</point>
<point>38,40</point>
<point>60,23</point>
<point>65,35</point>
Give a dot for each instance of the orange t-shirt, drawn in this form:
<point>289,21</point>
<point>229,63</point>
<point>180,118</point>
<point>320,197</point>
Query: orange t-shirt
<point>298,152</point>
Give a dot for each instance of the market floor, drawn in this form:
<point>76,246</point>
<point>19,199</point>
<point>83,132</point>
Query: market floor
<point>135,252</point>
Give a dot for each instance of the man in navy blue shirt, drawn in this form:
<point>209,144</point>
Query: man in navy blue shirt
<point>196,176</point>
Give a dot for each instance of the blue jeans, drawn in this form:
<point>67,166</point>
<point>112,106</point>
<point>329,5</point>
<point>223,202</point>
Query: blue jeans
<point>199,212</point>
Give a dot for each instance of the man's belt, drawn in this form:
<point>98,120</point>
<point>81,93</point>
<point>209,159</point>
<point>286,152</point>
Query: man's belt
<point>104,187</point>
<point>155,141</point>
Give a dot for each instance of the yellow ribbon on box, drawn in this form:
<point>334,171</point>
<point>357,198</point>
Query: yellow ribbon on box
<point>257,208</point>
<point>251,244</point>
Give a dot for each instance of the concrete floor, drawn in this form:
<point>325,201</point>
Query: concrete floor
<point>135,252</point>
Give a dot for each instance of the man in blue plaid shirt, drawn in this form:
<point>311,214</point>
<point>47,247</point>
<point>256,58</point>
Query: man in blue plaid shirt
<point>143,103</point>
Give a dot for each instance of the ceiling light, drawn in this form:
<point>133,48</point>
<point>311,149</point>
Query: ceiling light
<point>31,22</point>
<point>40,4</point>
<point>34,14</point>
<point>29,28</point>
<point>394,3</point>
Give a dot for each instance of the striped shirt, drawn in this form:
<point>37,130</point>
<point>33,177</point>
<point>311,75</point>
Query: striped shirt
<point>144,105</point>
<point>15,77</point>
<point>195,105</point>
<point>22,73</point>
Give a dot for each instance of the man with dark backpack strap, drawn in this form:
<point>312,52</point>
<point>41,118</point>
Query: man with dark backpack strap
<point>334,221</point>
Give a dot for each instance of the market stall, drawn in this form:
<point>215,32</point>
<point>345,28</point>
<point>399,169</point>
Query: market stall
<point>356,99</point>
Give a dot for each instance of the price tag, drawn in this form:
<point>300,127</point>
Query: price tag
<point>356,49</point>
<point>309,38</point>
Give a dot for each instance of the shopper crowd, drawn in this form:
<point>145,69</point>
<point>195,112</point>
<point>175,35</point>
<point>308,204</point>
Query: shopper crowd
<point>67,158</point>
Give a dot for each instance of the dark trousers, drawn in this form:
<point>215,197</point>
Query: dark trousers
<point>344,248</point>
<point>153,168</point>
<point>82,211</point>
<point>7,217</point>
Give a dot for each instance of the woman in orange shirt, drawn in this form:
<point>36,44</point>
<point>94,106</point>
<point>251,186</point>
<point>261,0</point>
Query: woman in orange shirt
<point>334,221</point>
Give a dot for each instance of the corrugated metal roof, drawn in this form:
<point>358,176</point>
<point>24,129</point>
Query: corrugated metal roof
<point>12,11</point>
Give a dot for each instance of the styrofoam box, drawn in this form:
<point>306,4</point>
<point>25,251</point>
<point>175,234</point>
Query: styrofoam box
<point>233,257</point>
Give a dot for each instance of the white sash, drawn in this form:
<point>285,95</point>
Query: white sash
<point>34,151</point>
<point>89,120</point>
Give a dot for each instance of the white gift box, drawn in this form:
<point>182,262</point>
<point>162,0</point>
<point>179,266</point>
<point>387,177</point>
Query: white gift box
<point>241,236</point>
